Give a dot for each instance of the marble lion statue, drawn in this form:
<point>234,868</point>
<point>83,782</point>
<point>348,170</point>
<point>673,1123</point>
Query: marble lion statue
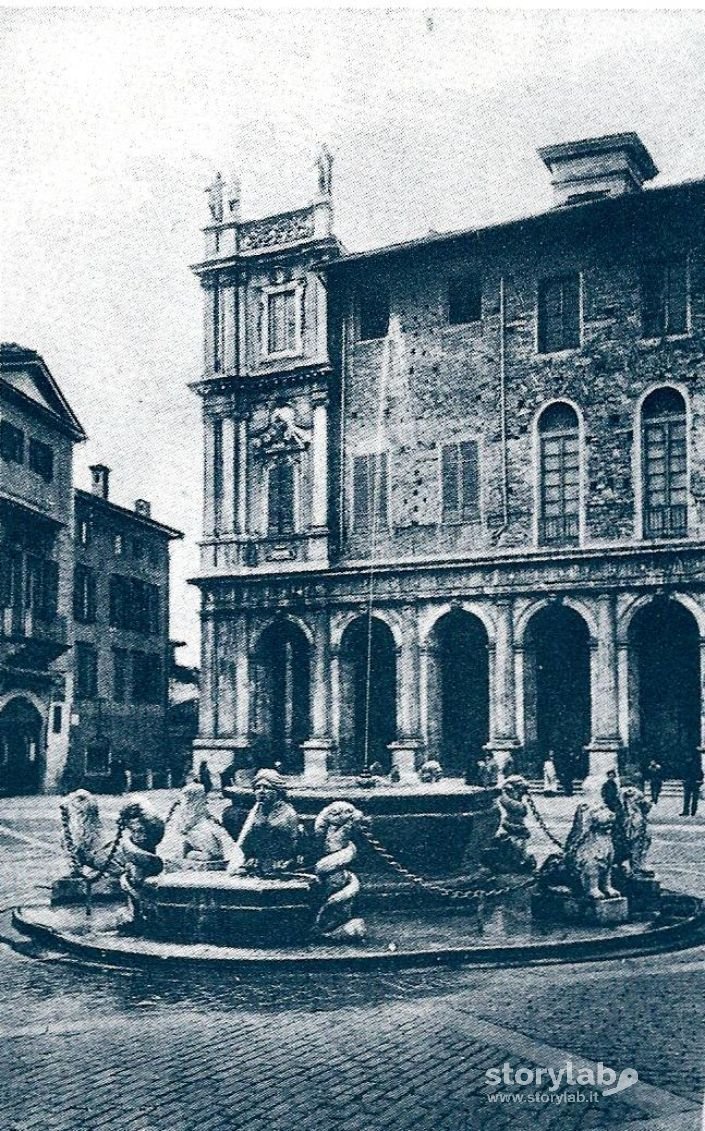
<point>201,838</point>
<point>83,830</point>
<point>589,850</point>
<point>634,835</point>
<point>335,921</point>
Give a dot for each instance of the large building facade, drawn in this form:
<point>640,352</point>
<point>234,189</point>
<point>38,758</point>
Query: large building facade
<point>472,513</point>
<point>121,653</point>
<point>38,430</point>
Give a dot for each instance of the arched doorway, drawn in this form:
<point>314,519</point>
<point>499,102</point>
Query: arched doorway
<point>21,748</point>
<point>664,685</point>
<point>368,668</point>
<point>458,701</point>
<point>557,687</point>
<point>282,695</point>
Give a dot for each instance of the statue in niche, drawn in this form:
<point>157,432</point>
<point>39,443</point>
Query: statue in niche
<point>214,192</point>
<point>324,166</point>
<point>269,839</point>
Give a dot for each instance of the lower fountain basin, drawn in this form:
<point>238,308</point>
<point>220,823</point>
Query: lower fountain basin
<point>198,907</point>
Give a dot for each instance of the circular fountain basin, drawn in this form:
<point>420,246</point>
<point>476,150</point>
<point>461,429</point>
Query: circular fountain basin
<point>437,830</point>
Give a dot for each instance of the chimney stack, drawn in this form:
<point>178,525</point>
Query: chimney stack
<point>100,480</point>
<point>143,507</point>
<point>596,167</point>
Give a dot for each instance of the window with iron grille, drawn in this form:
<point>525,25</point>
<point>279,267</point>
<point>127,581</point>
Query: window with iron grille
<point>559,475</point>
<point>664,459</point>
<point>84,594</point>
<point>11,442</point>
<point>370,492</point>
<point>41,460</point>
<point>464,300</point>
<point>559,313</point>
<point>460,474</point>
<point>280,497</point>
<point>86,659</point>
<point>282,322</point>
<point>372,313</point>
<point>664,299</point>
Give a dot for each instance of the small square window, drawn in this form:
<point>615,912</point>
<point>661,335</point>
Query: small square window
<point>464,300</point>
<point>373,313</point>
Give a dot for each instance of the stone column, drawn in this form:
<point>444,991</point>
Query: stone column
<point>503,738</point>
<point>423,692</point>
<point>206,709</point>
<point>243,689</point>
<point>242,515</point>
<point>319,464</point>
<point>318,747</point>
<point>225,676</point>
<point>229,301</point>
<point>335,692</point>
<point>623,705</point>
<point>208,477</point>
<point>405,750</point>
<point>229,456</point>
<point>604,739</point>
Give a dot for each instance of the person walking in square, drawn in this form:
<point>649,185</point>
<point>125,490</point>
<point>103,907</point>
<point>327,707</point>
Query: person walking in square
<point>692,782</point>
<point>654,774</point>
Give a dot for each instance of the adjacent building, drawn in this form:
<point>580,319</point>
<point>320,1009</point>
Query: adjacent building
<point>38,430</point>
<point>472,513</point>
<point>121,653</point>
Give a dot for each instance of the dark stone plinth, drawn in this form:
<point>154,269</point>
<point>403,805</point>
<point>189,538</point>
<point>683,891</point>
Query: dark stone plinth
<point>436,830</point>
<point>69,890</point>
<point>560,904</point>
<point>196,907</point>
<point>642,892</point>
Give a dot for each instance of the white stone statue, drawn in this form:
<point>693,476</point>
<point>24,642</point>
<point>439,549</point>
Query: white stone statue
<point>83,830</point>
<point>324,165</point>
<point>201,838</point>
<point>589,851</point>
<point>336,920</point>
<point>215,198</point>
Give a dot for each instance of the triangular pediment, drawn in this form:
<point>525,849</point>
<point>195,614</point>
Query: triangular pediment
<point>25,372</point>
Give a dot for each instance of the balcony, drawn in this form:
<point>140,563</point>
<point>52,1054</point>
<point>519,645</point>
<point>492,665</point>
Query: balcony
<point>38,641</point>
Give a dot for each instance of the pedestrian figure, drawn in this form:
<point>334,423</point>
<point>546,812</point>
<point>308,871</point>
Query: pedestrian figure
<point>487,770</point>
<point>550,777</point>
<point>564,770</point>
<point>204,776</point>
<point>610,792</point>
<point>654,774</point>
<point>692,781</point>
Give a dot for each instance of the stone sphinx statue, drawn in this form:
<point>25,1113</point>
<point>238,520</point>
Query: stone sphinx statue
<point>632,837</point>
<point>334,826</point>
<point>201,839</point>
<point>508,851</point>
<point>589,851</point>
<point>82,830</point>
<point>269,839</point>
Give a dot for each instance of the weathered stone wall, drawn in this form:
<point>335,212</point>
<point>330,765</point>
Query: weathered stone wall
<point>429,382</point>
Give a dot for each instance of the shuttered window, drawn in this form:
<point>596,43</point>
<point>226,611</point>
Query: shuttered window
<point>370,492</point>
<point>461,481</point>
<point>664,299</point>
<point>281,322</point>
<point>559,518</point>
<point>559,313</point>
<point>664,448</point>
<point>280,502</point>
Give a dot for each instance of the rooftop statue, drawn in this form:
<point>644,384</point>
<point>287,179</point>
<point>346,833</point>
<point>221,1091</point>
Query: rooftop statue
<point>215,198</point>
<point>324,165</point>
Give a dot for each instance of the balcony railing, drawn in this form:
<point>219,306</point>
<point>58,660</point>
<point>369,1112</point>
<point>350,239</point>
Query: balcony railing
<point>563,530</point>
<point>666,522</point>
<point>23,626</point>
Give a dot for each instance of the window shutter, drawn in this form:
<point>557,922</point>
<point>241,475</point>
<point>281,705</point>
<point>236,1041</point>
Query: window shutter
<point>291,299</point>
<point>653,300</point>
<point>50,594</point>
<point>361,493</point>
<point>381,489</point>
<point>286,498</point>
<point>273,500</point>
<point>470,480</point>
<point>450,482</point>
<point>90,596</point>
<point>571,312</point>
<point>77,593</point>
<point>677,298</point>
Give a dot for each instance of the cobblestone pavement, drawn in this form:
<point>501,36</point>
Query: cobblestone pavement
<point>90,1048</point>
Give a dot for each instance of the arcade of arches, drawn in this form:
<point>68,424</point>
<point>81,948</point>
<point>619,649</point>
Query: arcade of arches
<point>594,676</point>
<point>21,746</point>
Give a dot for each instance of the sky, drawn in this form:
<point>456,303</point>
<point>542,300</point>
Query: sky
<point>114,121</point>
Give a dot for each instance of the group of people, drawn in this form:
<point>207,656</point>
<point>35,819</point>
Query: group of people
<point>559,772</point>
<point>558,776</point>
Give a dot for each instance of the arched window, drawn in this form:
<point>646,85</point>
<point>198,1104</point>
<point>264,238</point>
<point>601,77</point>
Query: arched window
<point>664,464</point>
<point>559,475</point>
<point>280,498</point>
